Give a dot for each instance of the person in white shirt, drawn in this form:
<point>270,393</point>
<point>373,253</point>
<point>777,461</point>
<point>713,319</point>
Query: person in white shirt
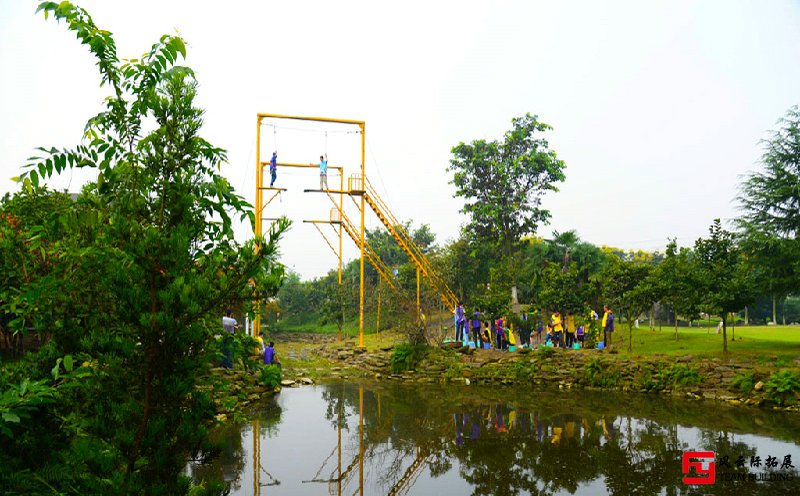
<point>229,325</point>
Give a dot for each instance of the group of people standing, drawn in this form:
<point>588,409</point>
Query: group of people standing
<point>558,331</point>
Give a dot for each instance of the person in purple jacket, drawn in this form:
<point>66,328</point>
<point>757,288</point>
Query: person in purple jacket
<point>460,321</point>
<point>270,357</point>
<point>273,167</point>
<point>475,324</point>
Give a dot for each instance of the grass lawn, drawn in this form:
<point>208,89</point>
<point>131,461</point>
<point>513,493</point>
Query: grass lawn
<point>762,343</point>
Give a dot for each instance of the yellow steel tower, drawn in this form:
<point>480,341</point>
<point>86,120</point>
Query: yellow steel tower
<point>355,187</point>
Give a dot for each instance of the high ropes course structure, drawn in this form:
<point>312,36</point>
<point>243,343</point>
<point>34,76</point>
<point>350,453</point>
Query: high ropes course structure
<point>358,186</point>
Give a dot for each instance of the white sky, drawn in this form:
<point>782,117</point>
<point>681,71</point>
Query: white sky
<point>658,107</point>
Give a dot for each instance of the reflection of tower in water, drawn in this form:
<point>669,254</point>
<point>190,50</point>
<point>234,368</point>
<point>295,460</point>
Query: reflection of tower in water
<point>341,478</point>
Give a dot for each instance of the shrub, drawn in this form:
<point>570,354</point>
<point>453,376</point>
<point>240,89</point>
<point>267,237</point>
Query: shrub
<point>678,374</point>
<point>783,387</point>
<point>407,356</point>
<point>270,375</point>
<point>599,374</point>
<point>744,382</point>
<point>547,351</point>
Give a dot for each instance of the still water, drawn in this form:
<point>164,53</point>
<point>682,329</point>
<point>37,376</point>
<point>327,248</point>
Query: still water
<point>390,439</point>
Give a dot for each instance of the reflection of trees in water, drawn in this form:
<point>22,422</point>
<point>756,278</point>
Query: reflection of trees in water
<point>223,459</point>
<point>224,456</point>
<point>560,443</point>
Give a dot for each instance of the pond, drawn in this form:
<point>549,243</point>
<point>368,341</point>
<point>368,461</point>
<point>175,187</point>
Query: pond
<point>391,439</point>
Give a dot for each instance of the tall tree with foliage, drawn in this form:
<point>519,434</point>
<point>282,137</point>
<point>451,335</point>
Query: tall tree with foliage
<point>629,287</point>
<point>678,283</point>
<point>158,253</point>
<point>770,201</point>
<point>770,197</point>
<point>503,182</point>
<point>727,284</point>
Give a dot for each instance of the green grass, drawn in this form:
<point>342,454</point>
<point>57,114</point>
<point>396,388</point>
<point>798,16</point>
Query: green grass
<point>765,342</point>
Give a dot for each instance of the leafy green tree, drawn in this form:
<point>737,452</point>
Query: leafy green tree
<point>677,281</point>
<point>629,287</point>
<point>773,261</point>
<point>138,294</point>
<point>503,182</point>
<point>770,201</point>
<point>727,284</point>
<point>562,290</point>
<point>771,197</point>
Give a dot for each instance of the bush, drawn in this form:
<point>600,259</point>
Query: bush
<point>678,374</point>
<point>270,375</point>
<point>744,382</point>
<point>599,374</point>
<point>407,356</point>
<point>783,387</point>
<point>547,351</point>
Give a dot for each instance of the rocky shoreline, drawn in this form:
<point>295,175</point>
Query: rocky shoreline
<point>684,376</point>
<point>312,360</point>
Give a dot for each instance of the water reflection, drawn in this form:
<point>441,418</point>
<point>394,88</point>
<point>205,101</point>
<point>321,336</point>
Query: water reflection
<point>347,439</point>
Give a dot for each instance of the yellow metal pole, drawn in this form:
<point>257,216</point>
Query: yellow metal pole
<point>311,118</point>
<point>341,215</point>
<point>361,264</point>
<point>256,458</point>
<point>259,213</point>
<point>418,294</point>
<point>339,449</point>
<point>361,440</point>
<point>378,320</point>
<point>341,206</point>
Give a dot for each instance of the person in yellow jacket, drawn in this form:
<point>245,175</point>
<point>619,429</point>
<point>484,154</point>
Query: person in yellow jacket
<point>558,328</point>
<point>512,341</point>
<point>570,334</point>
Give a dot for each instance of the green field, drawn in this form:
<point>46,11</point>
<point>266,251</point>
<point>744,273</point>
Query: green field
<point>763,343</point>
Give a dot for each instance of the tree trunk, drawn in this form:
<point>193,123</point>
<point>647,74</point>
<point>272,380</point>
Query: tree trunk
<point>783,310</point>
<point>676,327</point>
<point>630,335</point>
<point>774,315</point>
<point>724,335</point>
<point>733,328</point>
<point>746,317</point>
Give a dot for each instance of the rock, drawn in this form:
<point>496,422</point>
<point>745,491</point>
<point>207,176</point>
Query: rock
<point>759,386</point>
<point>287,383</point>
<point>378,375</point>
<point>685,359</point>
<point>306,380</point>
<point>466,381</point>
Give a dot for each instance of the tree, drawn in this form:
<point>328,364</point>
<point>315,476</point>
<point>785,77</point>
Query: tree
<point>138,294</point>
<point>677,282</point>
<point>503,182</point>
<point>773,261</point>
<point>726,284</point>
<point>629,286</point>
<point>771,197</point>
<point>562,289</point>
<point>770,201</point>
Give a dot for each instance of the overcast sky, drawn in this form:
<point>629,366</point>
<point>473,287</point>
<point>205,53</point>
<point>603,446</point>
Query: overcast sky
<point>657,107</point>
